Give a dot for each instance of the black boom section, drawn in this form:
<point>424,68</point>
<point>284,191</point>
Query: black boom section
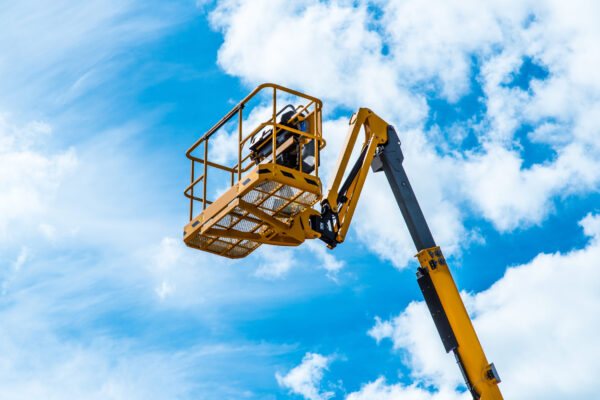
<point>389,159</point>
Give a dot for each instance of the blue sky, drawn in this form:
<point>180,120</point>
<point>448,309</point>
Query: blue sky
<point>497,108</point>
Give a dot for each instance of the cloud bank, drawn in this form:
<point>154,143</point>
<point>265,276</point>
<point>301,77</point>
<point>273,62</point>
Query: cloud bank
<point>538,324</point>
<point>529,138</point>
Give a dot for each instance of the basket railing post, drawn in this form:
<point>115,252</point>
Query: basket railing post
<point>300,154</point>
<point>315,141</point>
<point>192,194</point>
<point>239,148</point>
<point>274,152</point>
<point>204,179</point>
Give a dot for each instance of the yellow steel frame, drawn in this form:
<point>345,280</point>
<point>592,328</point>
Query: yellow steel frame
<point>272,230</point>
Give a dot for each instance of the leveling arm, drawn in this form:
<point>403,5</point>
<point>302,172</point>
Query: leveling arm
<point>381,151</point>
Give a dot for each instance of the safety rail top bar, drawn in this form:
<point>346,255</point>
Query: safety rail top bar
<point>241,105</point>
<point>319,139</point>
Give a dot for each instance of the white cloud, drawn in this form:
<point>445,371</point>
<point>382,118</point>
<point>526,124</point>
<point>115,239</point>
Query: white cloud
<point>75,311</point>
<point>183,277</point>
<point>56,52</point>
<point>53,54</point>
<point>354,74</point>
<point>51,346</point>
<point>380,390</point>
<point>326,258</point>
<point>500,171</point>
<point>9,275</point>
<point>23,256</point>
<point>274,262</point>
<point>412,331</point>
<point>305,379</point>
<point>44,356</point>
<point>537,324</point>
<point>196,281</point>
<point>554,39</point>
<point>416,50</point>
<point>164,289</point>
<point>324,48</point>
<point>73,48</point>
<point>591,226</point>
<point>104,370</point>
<point>29,176</point>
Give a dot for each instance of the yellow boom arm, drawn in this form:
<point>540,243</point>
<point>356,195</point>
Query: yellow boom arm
<point>341,201</point>
<point>381,151</point>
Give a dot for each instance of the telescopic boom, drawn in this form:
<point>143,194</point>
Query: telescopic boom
<point>382,152</point>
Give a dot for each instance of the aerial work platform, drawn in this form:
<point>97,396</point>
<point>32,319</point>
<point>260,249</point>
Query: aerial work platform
<point>274,178</point>
<point>267,198</point>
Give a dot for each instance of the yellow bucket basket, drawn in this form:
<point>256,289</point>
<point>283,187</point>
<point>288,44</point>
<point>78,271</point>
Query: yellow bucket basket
<point>276,177</point>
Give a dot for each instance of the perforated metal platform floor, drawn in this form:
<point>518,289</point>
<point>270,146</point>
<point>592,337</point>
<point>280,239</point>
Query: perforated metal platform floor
<point>250,212</point>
